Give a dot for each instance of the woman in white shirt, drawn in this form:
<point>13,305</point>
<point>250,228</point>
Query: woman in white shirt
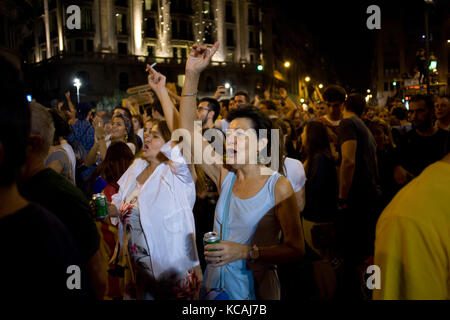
<point>156,229</point>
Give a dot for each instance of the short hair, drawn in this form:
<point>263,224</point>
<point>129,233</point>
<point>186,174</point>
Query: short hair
<point>62,128</point>
<point>42,125</point>
<point>429,103</point>
<point>243,93</point>
<point>334,93</point>
<point>400,113</point>
<point>270,104</point>
<point>213,105</point>
<point>355,103</point>
<point>14,123</point>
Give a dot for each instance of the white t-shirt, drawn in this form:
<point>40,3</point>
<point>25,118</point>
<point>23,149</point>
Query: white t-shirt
<point>73,160</point>
<point>295,173</point>
<point>222,124</point>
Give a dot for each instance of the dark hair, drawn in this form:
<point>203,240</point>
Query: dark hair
<point>429,103</point>
<point>260,121</point>
<point>129,128</point>
<point>117,160</point>
<point>270,104</point>
<point>225,103</point>
<point>163,129</point>
<point>334,93</point>
<point>14,123</point>
<point>355,103</point>
<point>139,119</point>
<point>317,140</point>
<point>83,110</point>
<point>106,117</point>
<point>62,128</point>
<point>400,113</point>
<point>157,107</point>
<point>127,111</point>
<point>243,93</point>
<point>280,125</point>
<point>213,105</point>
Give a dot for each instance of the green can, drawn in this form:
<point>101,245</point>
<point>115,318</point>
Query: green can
<point>211,238</point>
<point>101,208</point>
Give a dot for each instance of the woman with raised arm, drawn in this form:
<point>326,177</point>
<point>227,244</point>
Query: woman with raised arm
<point>255,207</point>
<point>156,230</point>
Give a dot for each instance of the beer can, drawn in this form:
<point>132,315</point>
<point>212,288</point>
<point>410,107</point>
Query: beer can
<point>100,205</point>
<point>211,238</point>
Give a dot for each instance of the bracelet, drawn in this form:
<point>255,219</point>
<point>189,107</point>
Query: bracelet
<point>189,95</point>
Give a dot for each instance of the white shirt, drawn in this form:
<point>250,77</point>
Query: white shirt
<point>166,201</point>
<point>73,160</point>
<point>295,173</point>
<point>222,124</point>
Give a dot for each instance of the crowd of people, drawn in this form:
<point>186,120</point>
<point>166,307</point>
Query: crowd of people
<point>341,186</point>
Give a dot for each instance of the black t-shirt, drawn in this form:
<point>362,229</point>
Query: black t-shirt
<point>321,190</point>
<point>36,250</point>
<point>365,179</point>
<point>417,152</point>
<point>68,203</point>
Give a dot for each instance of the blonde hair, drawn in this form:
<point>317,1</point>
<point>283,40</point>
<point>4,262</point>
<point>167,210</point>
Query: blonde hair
<point>42,125</point>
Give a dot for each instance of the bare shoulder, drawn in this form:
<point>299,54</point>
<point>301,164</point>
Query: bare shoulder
<point>283,190</point>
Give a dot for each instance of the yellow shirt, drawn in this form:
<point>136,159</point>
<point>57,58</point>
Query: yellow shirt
<point>412,246</point>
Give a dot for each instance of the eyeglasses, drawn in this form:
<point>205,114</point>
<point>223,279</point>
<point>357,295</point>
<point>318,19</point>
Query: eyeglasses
<point>203,108</point>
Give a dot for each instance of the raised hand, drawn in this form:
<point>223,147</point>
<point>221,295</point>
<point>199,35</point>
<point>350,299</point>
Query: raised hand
<point>156,80</point>
<point>200,57</point>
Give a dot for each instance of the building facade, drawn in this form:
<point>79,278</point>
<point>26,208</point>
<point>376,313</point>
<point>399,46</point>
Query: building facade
<point>117,37</point>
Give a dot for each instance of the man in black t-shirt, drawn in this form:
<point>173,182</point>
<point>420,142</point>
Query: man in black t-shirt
<point>422,146</point>
<point>58,195</point>
<point>36,249</point>
<point>359,191</point>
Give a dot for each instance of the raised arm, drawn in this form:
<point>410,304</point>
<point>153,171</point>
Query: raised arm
<point>157,82</point>
<point>198,60</point>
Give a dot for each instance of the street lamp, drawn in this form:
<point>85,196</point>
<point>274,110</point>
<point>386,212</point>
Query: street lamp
<point>320,86</point>
<point>228,86</point>
<point>77,83</point>
<point>368,90</point>
<point>307,79</point>
<point>260,67</point>
<point>287,64</point>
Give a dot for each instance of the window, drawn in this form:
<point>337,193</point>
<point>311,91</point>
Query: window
<point>251,17</point>
<point>122,48</point>
<point>230,37</point>
<point>53,25</point>
<point>79,45</point>
<point>183,53</point>
<point>121,24</point>
<point>151,51</point>
<point>183,32</point>
<point>175,52</point>
<point>150,28</point>
<point>208,34</point>
<point>86,20</point>
<point>149,5</point>
<point>174,29</point>
<point>251,40</point>
<point>229,16</point>
<point>207,13</point>
<point>89,45</point>
<point>123,81</point>
<point>252,58</point>
<point>121,3</point>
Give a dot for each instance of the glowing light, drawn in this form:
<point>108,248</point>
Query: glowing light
<point>302,100</point>
<point>29,98</point>
<point>307,79</point>
<point>368,90</point>
<point>320,86</point>
<point>227,85</point>
<point>260,67</point>
<point>77,82</point>
<point>287,64</point>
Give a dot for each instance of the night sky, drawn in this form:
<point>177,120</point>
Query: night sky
<point>340,32</point>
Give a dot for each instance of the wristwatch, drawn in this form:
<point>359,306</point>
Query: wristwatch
<point>254,253</point>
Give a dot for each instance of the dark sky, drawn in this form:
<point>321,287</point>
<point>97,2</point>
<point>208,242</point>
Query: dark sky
<point>340,32</point>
